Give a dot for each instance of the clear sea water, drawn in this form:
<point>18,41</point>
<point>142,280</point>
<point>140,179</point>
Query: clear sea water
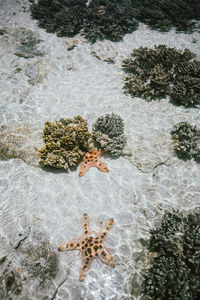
<point>135,192</point>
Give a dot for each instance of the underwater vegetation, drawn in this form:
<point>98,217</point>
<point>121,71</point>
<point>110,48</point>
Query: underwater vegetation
<point>108,132</point>
<point>109,20</point>
<point>155,73</point>
<point>97,19</point>
<point>41,262</point>
<point>66,140</point>
<point>174,271</point>
<point>186,141</point>
<point>10,280</point>
<point>165,14</point>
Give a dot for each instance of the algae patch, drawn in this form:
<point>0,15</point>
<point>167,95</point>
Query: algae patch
<point>174,270</point>
<point>96,20</point>
<point>164,14</point>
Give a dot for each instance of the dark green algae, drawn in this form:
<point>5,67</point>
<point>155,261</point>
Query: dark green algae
<point>96,20</point>
<point>106,19</point>
<point>161,71</point>
<point>186,138</point>
<point>174,271</point>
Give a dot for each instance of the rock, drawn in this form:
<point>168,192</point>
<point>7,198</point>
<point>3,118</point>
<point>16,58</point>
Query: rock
<point>20,140</point>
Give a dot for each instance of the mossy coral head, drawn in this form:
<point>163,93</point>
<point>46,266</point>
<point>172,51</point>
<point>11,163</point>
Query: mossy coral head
<point>174,270</point>
<point>66,140</point>
<point>186,140</point>
<point>96,19</point>
<point>165,14</point>
<point>108,132</point>
<point>155,73</point>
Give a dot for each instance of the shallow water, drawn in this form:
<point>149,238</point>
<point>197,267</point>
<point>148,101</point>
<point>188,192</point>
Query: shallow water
<point>61,83</point>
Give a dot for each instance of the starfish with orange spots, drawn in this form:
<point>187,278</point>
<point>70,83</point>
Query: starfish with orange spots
<point>91,244</point>
<point>92,159</point>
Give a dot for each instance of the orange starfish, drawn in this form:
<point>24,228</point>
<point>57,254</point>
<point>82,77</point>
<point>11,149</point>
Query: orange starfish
<point>92,159</point>
<point>91,244</point>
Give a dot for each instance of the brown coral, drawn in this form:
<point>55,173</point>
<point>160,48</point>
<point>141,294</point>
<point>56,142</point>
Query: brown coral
<point>66,140</point>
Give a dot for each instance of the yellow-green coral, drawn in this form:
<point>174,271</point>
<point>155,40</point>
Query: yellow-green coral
<point>66,140</point>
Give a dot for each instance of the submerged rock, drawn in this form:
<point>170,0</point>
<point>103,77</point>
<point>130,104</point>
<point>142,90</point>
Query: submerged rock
<point>97,19</point>
<point>174,270</point>
<point>22,42</point>
<point>186,140</point>
<point>66,140</point>
<point>154,73</point>
<point>108,132</point>
<point>20,140</point>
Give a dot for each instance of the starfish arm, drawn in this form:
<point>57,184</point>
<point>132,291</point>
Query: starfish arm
<point>85,266</point>
<point>106,257</point>
<point>102,167</point>
<point>85,222</point>
<point>83,168</point>
<point>104,232</point>
<point>71,245</point>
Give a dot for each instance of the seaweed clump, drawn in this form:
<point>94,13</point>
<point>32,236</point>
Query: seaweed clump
<point>155,73</point>
<point>11,281</point>
<point>97,19</point>
<point>108,132</point>
<point>174,271</point>
<point>109,20</point>
<point>66,140</point>
<point>165,14</point>
<point>187,141</point>
<point>41,262</point>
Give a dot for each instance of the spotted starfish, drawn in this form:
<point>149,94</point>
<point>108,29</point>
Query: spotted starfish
<point>92,159</point>
<point>91,244</point>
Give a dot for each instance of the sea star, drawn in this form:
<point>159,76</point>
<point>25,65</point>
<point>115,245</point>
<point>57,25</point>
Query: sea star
<point>91,244</point>
<point>92,159</point>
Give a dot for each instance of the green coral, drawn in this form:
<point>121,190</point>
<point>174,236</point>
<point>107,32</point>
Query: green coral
<point>154,73</point>
<point>186,140</point>
<point>174,271</point>
<point>66,140</point>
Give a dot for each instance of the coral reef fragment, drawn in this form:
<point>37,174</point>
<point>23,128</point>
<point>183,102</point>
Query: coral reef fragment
<point>96,20</point>
<point>66,140</point>
<point>155,73</point>
<point>175,267</point>
<point>108,132</point>
<point>186,141</point>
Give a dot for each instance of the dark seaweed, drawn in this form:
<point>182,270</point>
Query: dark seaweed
<point>101,19</point>
<point>165,14</point>
<point>155,73</point>
<point>186,141</point>
<point>175,272</point>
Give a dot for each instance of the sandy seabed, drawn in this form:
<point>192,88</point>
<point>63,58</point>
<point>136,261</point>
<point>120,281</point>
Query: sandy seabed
<point>38,204</point>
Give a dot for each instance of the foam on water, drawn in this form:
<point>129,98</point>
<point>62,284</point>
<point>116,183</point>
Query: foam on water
<point>136,190</point>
